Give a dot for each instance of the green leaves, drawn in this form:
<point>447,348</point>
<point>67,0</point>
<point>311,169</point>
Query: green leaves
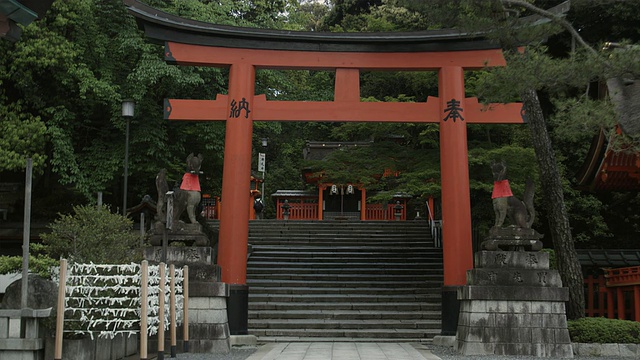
<point>21,136</point>
<point>92,234</point>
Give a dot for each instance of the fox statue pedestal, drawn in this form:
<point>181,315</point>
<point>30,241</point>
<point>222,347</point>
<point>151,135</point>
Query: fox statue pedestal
<point>513,304</point>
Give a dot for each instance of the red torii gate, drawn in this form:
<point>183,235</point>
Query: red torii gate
<point>194,43</point>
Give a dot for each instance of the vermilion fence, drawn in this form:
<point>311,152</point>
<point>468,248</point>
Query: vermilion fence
<point>300,211</point>
<point>615,295</point>
<point>309,211</point>
<point>596,296</point>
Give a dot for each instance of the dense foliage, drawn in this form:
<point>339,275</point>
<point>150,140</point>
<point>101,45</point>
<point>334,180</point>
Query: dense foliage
<point>93,234</point>
<point>39,262</point>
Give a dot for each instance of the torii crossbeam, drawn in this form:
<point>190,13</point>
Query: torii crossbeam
<point>245,50</point>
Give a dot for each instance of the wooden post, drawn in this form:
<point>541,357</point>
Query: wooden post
<point>60,310</point>
<point>142,229</point>
<point>161,312</point>
<point>620,298</point>
<point>185,309</point>
<point>602,287</point>
<point>144,284</point>
<point>172,308</point>
<point>610,306</point>
<point>590,295</point>
<point>636,302</point>
<point>363,204</point>
<point>320,201</point>
<point>26,234</point>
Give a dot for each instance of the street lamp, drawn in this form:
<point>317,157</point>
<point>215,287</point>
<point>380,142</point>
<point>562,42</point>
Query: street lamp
<point>128,106</point>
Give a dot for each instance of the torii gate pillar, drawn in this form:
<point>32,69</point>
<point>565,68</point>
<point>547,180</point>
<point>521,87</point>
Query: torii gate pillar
<point>234,230</point>
<point>456,204</point>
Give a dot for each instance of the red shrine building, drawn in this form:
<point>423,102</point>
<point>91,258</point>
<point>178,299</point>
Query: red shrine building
<point>337,201</point>
<point>244,50</point>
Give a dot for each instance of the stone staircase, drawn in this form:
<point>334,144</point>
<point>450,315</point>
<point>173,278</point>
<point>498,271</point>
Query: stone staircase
<point>343,281</point>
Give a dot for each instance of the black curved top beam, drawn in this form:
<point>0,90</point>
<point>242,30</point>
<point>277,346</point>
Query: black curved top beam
<point>161,26</point>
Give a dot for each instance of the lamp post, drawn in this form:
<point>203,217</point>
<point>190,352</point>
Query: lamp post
<point>127,113</point>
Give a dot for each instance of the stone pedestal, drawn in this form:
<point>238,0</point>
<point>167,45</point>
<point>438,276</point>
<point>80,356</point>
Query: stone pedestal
<point>190,234</point>
<point>208,320</point>
<point>513,305</point>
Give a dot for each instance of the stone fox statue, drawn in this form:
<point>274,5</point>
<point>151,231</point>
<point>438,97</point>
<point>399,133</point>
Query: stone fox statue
<point>187,197</point>
<point>521,213</point>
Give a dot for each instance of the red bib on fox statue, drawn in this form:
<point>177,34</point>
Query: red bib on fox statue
<point>190,182</point>
<point>501,189</point>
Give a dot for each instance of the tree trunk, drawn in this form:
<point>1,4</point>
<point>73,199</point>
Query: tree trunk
<point>566,255</point>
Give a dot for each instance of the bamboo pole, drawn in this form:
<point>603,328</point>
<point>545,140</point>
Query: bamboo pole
<point>172,308</point>
<point>60,310</point>
<point>161,313</point>
<point>185,309</point>
<point>144,302</point>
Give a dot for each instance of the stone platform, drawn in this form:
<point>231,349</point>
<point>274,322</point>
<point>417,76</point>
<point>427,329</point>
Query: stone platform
<point>513,305</point>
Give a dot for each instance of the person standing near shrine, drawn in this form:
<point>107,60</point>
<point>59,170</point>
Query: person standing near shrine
<point>258,206</point>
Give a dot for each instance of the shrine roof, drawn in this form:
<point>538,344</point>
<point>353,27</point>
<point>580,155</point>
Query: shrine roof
<point>161,26</point>
<point>294,193</point>
<point>604,258</point>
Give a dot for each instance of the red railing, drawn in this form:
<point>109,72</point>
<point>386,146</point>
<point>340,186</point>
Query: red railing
<point>615,295</point>
<point>623,276</point>
<point>309,211</point>
<point>625,282</point>
<point>300,211</point>
<point>383,212</point>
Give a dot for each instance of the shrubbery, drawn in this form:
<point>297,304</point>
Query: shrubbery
<point>603,331</point>
<point>92,234</point>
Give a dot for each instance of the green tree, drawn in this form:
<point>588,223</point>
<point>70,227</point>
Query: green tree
<point>93,234</point>
<point>21,136</point>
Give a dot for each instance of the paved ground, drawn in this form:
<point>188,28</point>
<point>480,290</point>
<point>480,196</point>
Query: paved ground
<point>355,351</point>
<point>340,351</point>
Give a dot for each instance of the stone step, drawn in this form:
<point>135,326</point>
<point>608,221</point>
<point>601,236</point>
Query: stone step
<point>342,290</point>
<point>344,280</point>
<point>274,268</point>
<point>346,266</point>
<point>300,241</point>
<point>306,339</point>
<point>345,315</point>
<point>307,298</point>
<point>348,333</point>
<point>434,285</point>
<point>351,254</point>
<point>343,324</point>
<point>363,277</point>
<point>391,232</point>
<point>337,261</point>
<point>345,248</point>
<point>361,310</point>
